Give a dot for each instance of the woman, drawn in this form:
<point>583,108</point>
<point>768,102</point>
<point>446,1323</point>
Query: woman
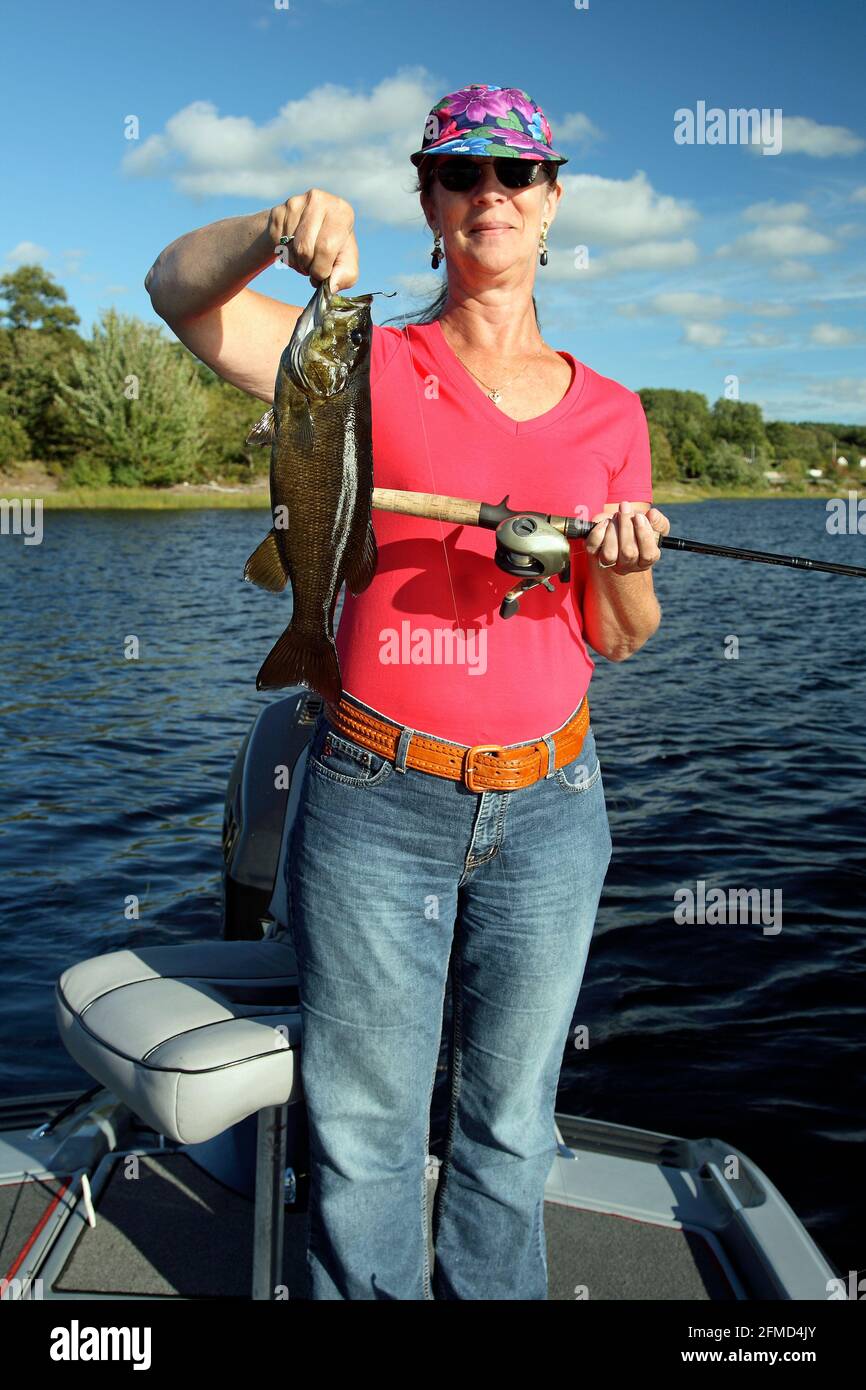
<point>453,813</point>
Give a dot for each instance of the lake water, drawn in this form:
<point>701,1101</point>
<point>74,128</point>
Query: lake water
<point>738,773</point>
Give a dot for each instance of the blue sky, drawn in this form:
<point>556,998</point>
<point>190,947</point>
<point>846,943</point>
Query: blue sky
<point>705,261</point>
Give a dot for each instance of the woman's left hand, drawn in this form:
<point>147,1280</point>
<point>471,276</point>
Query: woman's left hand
<point>627,541</point>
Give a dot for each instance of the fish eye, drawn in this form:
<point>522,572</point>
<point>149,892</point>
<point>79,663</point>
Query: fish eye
<point>357,336</point>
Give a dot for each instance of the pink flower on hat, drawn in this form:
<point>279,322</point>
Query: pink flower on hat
<point>518,100</point>
<point>482,101</point>
<point>517,138</point>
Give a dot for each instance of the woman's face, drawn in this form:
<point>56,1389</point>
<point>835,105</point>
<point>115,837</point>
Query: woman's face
<point>512,217</point>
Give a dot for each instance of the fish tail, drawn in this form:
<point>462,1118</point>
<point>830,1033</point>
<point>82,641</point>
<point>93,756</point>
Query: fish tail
<point>298,658</point>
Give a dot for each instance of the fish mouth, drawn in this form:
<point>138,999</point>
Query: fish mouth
<point>324,303</point>
<point>311,319</point>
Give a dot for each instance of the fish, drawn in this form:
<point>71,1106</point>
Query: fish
<point>321,485</point>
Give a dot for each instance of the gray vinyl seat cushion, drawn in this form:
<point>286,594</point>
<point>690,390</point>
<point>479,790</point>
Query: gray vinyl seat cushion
<point>193,1038</point>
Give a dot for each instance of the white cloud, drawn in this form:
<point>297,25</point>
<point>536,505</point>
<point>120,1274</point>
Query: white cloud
<point>575,128</point>
<point>791,270</point>
<point>859,194</point>
<point>332,114</point>
<point>26,252</point>
<point>60,262</point>
<point>652,255</point>
<point>847,394</point>
<point>152,154</point>
<point>771,309</point>
<point>847,230</point>
<point>851,286</point>
<point>699,313</point>
<point>648,255</point>
<point>760,339</point>
<point>774,212</point>
<point>833,335</point>
<point>802,135</point>
<point>594,210</point>
<point>351,143</point>
<point>704,334</point>
<point>778,239</point>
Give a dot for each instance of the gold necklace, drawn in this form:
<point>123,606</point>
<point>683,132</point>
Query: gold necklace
<point>494,393</point>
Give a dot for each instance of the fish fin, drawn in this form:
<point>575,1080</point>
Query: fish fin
<point>264,430</point>
<point>265,566</point>
<point>361,571</point>
<point>299,659</point>
<point>305,433</point>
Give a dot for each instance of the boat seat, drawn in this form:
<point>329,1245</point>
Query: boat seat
<point>194,1038</point>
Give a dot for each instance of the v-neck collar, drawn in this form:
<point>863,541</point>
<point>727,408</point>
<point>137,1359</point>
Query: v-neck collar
<point>458,374</point>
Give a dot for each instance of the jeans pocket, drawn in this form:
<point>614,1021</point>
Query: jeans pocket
<point>582,773</point>
<point>341,759</point>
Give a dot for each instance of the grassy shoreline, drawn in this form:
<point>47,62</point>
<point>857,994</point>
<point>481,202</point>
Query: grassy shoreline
<point>197,497</point>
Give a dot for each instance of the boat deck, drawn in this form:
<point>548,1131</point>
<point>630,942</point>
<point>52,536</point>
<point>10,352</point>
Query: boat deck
<point>166,1228</point>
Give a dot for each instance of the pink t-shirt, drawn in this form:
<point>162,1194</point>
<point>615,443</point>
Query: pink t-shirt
<point>424,644</point>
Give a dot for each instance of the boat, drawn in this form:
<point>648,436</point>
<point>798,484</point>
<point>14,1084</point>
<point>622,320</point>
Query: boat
<point>182,1172</point>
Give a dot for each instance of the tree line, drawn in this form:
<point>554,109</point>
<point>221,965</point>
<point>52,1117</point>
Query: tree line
<point>126,407</point>
<point>131,407</point>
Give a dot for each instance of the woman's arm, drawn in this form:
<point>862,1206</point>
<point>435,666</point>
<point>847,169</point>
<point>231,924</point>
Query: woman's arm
<point>198,283</point>
<point>202,269</point>
<point>620,609</point>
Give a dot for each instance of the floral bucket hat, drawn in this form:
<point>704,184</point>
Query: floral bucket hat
<point>488,121</point>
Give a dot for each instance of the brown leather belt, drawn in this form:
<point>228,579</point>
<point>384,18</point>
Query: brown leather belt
<point>483,766</point>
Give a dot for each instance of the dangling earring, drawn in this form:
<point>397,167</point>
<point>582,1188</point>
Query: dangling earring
<point>438,254</point>
<point>542,245</point>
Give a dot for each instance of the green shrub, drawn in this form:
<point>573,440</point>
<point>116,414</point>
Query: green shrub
<point>726,467</point>
<point>136,403</point>
<point>14,443</point>
<point>85,471</point>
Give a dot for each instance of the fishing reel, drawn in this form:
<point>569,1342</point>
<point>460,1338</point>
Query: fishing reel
<point>529,545</point>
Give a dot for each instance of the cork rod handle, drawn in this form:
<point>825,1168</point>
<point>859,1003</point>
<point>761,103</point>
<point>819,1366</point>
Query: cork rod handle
<point>459,509</point>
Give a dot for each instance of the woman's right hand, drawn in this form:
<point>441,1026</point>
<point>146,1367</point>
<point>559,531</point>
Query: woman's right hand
<point>324,240</point>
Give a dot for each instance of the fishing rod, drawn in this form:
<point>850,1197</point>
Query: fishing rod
<point>535,544</point>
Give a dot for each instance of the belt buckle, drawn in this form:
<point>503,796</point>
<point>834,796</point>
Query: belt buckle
<point>471,754</point>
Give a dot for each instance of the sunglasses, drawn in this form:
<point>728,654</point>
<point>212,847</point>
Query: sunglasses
<point>459,174</point>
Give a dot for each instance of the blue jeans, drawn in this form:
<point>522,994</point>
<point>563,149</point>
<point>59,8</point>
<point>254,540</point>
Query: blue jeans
<point>389,873</point>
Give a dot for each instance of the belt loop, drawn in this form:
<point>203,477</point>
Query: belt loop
<point>551,754</point>
<point>402,749</point>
